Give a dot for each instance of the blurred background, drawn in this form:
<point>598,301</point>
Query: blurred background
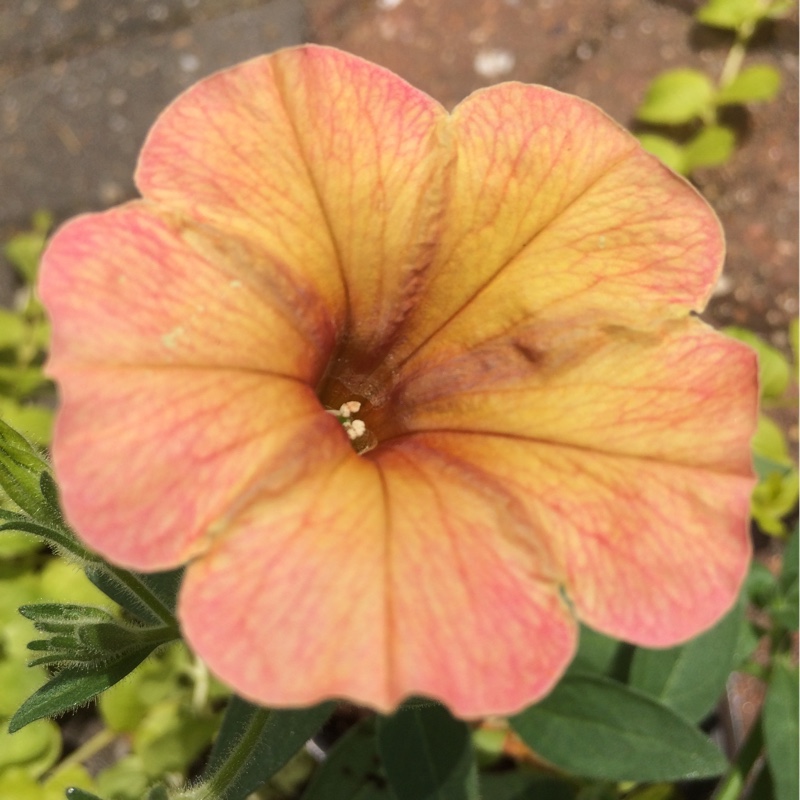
<point>81,81</point>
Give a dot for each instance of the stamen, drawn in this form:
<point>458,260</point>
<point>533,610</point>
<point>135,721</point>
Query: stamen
<point>354,428</point>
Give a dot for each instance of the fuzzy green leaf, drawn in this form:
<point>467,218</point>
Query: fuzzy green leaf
<point>73,687</point>
<point>273,737</point>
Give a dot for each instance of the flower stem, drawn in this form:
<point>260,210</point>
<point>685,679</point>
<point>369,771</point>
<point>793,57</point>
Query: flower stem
<point>144,594</point>
<point>90,747</point>
<point>214,787</point>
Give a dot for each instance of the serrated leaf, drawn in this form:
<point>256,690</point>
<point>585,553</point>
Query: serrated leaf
<point>676,97</point>
<point>690,679</point>
<point>352,769</point>
<point>427,754</point>
<point>781,730</point>
<point>714,145</point>
<point>74,687</point>
<point>755,84</point>
<point>61,617</point>
<point>272,738</point>
<point>598,728</point>
<point>670,152</point>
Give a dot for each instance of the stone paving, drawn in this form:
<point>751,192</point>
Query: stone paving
<point>82,81</point>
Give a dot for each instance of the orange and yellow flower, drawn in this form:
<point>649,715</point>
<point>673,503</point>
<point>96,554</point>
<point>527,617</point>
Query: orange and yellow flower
<point>528,426</point>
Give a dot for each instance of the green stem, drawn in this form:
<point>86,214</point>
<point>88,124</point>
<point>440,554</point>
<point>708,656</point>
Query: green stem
<point>144,594</point>
<point>95,744</point>
<point>214,787</point>
<point>735,778</point>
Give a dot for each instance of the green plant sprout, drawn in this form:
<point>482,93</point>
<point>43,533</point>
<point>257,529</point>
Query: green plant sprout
<point>26,396</point>
<point>776,495</point>
<point>685,96</point>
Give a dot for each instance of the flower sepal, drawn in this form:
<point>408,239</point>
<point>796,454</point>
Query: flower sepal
<point>87,635</point>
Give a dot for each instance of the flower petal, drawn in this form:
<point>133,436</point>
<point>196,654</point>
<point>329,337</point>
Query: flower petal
<point>174,294</point>
<point>289,604</point>
<point>152,462</point>
<point>417,579</point>
<point>556,212</point>
<point>327,159</point>
<point>657,395</point>
<point>477,617</point>
<point>653,553</point>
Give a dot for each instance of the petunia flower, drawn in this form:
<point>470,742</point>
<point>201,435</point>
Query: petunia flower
<point>408,392</point>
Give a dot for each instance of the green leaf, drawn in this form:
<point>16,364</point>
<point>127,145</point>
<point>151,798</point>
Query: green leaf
<point>790,568</point>
<point>352,769</point>
<point>73,687</point>
<point>12,329</point>
<point>676,97</point>
<point>713,146</point>
<point>781,730</point>
<point>774,371</point>
<point>427,754</point>
<point>123,780</point>
<point>773,499</point>
<point>519,785</point>
<point>138,593</point>
<point>671,153</point>
<point>758,83</point>
<point>35,421</point>
<point>21,467</point>
<point>271,738</point>
<point>36,748</point>
<point>731,14</point>
<point>784,608</point>
<point>598,728</point>
<point>63,778</point>
<point>689,679</point>
<point>24,252</point>
<point>74,793</point>
<point>596,653</point>
<point>170,737</point>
